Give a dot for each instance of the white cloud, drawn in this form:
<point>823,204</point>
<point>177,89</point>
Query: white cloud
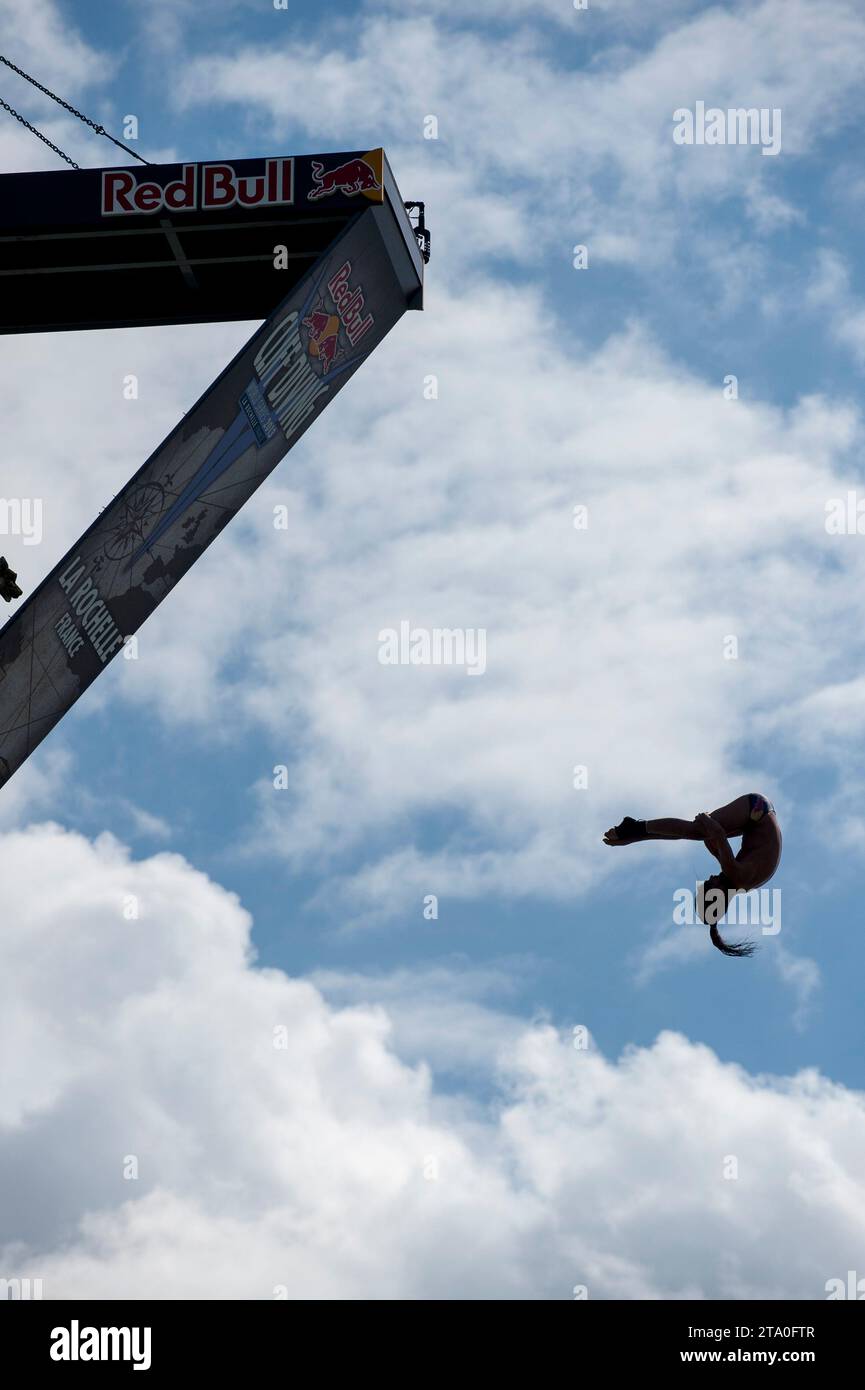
<point>824,719</point>
<point>152,1036</point>
<point>38,788</point>
<point>450,1015</point>
<point>39,35</point>
<point>79,378</point>
<point>582,155</point>
<point>802,976</point>
<point>605,646</point>
<point>769,211</point>
<point>830,289</point>
<point>631,15</point>
<point>676,944</point>
<point>670,946</point>
<point>146,823</point>
<point>305,1167</point>
<point>40,39</point>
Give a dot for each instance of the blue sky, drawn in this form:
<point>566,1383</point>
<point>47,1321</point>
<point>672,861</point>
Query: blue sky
<point>557,387</point>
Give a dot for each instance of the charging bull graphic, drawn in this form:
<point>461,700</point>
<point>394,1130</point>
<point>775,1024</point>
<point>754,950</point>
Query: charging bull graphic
<point>356,176</point>
<point>323,338</point>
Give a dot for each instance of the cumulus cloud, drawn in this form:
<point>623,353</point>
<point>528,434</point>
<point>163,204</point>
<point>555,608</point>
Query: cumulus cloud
<point>830,290</point>
<point>43,40</point>
<point>459,512</point>
<point>81,379</point>
<point>551,151</point>
<point>34,791</point>
<point>328,1165</point>
<point>473,527</point>
<point>355,1159</point>
<point>696,506</point>
<point>41,34</point>
<point>577,17</point>
<point>802,975</point>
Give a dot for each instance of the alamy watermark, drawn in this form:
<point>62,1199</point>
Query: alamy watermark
<point>739,125</point>
<point>437,646</point>
<point>77,1343</point>
<point>22,516</point>
<point>761,907</point>
<point>845,516</point>
<point>20,1290</point>
<point>852,1287</point>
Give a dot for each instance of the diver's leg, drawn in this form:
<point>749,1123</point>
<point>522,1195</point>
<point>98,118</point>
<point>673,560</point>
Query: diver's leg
<point>734,818</point>
<point>631,831</point>
<point>670,828</point>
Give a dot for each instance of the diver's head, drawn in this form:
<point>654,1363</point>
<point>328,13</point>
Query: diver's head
<point>713,898</point>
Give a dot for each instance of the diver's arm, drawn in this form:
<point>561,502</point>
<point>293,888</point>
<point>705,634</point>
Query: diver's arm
<point>716,843</point>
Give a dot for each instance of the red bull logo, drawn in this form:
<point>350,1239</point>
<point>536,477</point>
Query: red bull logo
<point>349,315</point>
<point>201,187</point>
<point>355,176</point>
<point>323,329</point>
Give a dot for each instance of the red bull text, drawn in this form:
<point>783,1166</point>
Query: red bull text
<point>201,187</point>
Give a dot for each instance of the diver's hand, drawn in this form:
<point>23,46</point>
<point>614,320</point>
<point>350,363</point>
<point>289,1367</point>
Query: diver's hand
<point>713,833</point>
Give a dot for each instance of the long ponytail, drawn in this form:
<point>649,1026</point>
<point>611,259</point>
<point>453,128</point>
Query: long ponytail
<point>737,948</point>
